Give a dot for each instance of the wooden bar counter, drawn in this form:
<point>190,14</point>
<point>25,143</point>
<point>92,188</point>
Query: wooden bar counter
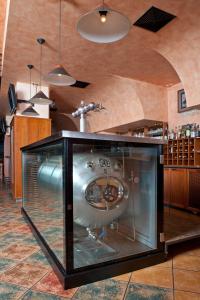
<point>182,174</point>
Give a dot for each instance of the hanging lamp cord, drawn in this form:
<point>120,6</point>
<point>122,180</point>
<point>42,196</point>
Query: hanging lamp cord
<point>40,66</point>
<point>30,77</point>
<point>60,33</point>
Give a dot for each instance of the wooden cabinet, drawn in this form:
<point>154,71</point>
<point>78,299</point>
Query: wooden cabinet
<point>178,187</point>
<point>24,131</point>
<point>182,188</point>
<point>167,176</point>
<point>194,190</point>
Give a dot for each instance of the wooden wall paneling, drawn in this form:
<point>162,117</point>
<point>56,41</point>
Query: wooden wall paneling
<point>176,187</point>
<point>194,190</point>
<point>179,187</point>
<point>197,152</point>
<point>167,186</point>
<point>24,131</point>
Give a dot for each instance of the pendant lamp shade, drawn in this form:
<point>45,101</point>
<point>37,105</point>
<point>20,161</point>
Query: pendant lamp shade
<point>30,111</point>
<point>103,25</point>
<point>60,77</point>
<point>40,98</point>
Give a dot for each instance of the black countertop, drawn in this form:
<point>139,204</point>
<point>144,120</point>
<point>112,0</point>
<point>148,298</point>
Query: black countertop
<point>93,136</point>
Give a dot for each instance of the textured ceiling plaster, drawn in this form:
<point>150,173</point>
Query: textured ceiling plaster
<point>132,57</point>
<point>125,100</point>
<point>160,58</point>
<point>2,18</point>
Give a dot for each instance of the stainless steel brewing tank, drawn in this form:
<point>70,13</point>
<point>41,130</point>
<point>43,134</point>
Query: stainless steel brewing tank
<point>100,193</point>
<point>50,176</point>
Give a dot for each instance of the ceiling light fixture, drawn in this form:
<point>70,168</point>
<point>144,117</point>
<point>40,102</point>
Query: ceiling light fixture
<point>59,76</point>
<point>30,67</point>
<point>103,25</point>
<point>30,111</point>
<point>40,97</point>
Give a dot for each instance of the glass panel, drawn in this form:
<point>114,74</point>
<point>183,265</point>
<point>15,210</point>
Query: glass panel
<point>114,202</point>
<point>43,194</point>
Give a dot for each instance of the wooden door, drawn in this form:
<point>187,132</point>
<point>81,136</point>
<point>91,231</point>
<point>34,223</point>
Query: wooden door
<point>179,187</point>
<point>167,188</point>
<point>194,190</point>
<point>27,130</point>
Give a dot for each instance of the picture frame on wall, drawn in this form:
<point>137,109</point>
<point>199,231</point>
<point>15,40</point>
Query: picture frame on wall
<point>182,103</point>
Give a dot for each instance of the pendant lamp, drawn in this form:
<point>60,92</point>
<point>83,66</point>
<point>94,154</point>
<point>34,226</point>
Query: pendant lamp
<point>30,111</point>
<point>40,97</point>
<point>103,25</point>
<point>59,76</point>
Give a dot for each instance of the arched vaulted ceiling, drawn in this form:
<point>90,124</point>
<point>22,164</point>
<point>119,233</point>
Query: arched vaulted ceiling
<point>142,55</point>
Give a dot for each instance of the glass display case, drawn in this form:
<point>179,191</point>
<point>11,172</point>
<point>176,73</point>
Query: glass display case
<point>95,203</point>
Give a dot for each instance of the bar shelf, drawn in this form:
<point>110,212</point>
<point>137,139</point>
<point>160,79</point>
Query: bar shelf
<point>183,152</point>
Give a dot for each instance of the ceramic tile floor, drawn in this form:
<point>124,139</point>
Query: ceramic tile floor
<point>26,274</point>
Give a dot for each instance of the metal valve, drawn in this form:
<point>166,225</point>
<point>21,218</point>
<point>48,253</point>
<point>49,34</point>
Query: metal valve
<point>91,165</point>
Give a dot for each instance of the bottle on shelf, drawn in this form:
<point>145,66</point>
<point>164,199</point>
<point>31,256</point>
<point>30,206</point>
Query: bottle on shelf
<point>197,131</point>
<point>171,135</point>
<point>183,135</point>
<point>176,133</point>
<point>187,131</point>
<point>179,132</point>
<point>193,131</point>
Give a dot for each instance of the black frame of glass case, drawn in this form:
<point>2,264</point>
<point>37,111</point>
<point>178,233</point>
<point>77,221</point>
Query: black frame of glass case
<point>68,276</point>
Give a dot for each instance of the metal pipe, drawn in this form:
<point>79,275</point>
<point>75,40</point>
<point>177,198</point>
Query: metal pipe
<point>83,123</point>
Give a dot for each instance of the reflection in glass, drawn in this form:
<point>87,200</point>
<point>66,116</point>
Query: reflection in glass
<point>43,194</point>
<point>114,202</point>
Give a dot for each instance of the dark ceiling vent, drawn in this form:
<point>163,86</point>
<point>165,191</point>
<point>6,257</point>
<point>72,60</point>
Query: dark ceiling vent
<point>154,19</point>
<point>80,84</point>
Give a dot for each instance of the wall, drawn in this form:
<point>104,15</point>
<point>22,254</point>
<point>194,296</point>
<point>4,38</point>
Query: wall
<point>179,43</point>
<point>175,118</point>
<point>24,92</point>
<point>2,20</point>
<point>125,100</point>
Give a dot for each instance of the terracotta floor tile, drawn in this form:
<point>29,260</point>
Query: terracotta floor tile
<point>22,229</point>
<point>187,262</point>
<point>123,277</point>
<point>34,295</point>
<point>142,292</point>
<point>157,276</point>
<point>24,274</point>
<point>6,263</point>
<point>181,295</point>
<point>187,280</point>
<point>18,251</point>
<point>50,284</point>
<point>10,291</point>
<point>39,259</point>
<point>102,290</point>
